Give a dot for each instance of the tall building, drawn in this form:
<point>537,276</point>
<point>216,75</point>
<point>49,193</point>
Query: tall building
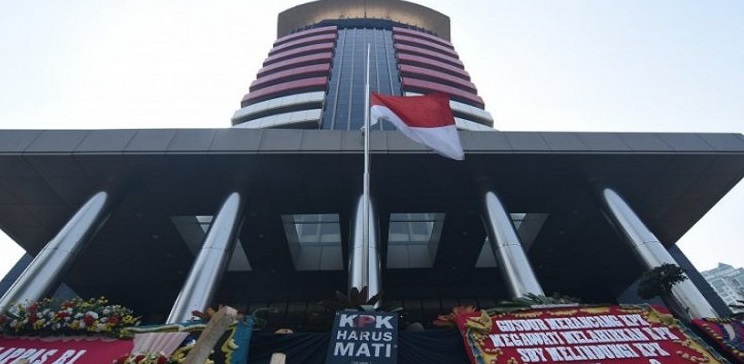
<point>314,76</point>
<point>727,281</point>
<point>270,213</point>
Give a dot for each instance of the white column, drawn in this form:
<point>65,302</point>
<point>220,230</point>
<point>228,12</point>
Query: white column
<point>507,248</point>
<point>206,272</point>
<point>652,254</point>
<point>47,269</point>
<point>364,258</point>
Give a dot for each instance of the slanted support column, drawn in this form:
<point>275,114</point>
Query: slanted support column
<point>507,248</point>
<point>651,253</point>
<point>47,269</point>
<point>364,256</point>
<point>206,272</point>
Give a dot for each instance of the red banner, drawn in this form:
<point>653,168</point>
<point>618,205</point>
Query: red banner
<point>586,335</point>
<point>62,349</point>
<point>728,333</point>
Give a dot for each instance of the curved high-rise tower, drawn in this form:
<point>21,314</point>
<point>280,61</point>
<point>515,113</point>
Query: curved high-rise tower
<point>313,77</point>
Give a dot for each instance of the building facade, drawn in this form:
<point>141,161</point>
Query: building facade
<point>270,213</point>
<point>314,76</point>
<point>728,282</point>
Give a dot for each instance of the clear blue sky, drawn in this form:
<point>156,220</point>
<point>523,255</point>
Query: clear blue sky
<point>573,65</point>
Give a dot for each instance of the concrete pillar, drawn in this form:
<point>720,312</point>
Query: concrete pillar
<point>206,272</point>
<point>651,253</point>
<point>364,255</point>
<point>507,248</point>
<point>47,269</point>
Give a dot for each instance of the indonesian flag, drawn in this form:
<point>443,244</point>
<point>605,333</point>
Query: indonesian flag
<point>425,119</point>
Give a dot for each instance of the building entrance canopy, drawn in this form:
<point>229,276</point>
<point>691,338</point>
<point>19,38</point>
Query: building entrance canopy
<point>160,176</point>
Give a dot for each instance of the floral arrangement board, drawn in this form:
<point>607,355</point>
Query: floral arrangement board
<point>231,348</point>
<point>728,333</point>
<point>62,349</point>
<point>582,335</point>
<point>73,317</point>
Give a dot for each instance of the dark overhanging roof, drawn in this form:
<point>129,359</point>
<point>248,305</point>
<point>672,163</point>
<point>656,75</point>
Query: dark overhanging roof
<point>671,179</point>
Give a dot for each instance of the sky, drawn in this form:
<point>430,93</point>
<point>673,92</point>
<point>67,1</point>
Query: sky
<point>540,65</point>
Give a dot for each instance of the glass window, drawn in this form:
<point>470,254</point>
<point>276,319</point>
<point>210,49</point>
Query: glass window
<point>413,239</point>
<point>193,231</point>
<point>344,107</point>
<point>314,241</point>
<point>527,225</point>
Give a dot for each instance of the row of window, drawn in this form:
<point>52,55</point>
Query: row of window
<point>315,240</point>
<point>299,62</point>
<point>302,119</point>
<point>423,35</point>
<point>279,105</point>
<point>344,87</point>
<point>417,76</point>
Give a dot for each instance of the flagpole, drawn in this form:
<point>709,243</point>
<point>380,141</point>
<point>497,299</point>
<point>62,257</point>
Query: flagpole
<point>365,188</point>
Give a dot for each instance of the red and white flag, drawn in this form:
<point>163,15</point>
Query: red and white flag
<point>425,119</point>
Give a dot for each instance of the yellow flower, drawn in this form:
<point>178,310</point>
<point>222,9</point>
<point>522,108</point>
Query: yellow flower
<point>39,324</point>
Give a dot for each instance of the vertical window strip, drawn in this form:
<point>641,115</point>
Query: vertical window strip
<point>378,37</point>
<point>344,106</point>
<point>329,114</point>
<point>349,75</point>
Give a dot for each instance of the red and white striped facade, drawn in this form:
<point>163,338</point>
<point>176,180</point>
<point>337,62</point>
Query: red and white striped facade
<point>295,86</point>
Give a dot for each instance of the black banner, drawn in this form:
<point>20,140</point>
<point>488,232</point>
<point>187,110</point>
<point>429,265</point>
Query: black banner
<point>363,338</point>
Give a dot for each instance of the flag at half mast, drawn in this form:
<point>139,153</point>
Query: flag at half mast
<point>424,119</point>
